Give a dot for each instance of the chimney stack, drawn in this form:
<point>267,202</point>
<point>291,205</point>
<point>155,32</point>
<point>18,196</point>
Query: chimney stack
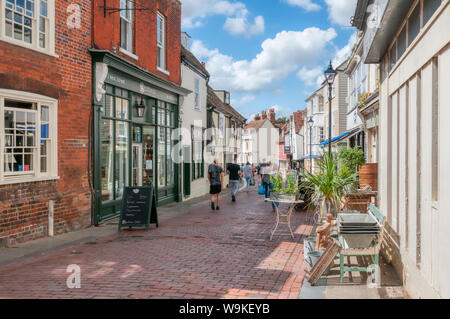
<point>204,64</point>
<point>272,115</point>
<point>264,115</point>
<point>257,117</point>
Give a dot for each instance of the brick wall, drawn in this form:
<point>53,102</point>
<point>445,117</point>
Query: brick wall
<point>24,207</point>
<point>106,32</point>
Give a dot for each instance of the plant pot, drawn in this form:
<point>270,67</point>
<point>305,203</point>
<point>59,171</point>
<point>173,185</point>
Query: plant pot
<point>283,197</point>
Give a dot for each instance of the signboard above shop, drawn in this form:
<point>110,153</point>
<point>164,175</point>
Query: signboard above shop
<point>119,79</point>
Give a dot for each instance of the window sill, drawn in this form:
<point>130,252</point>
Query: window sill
<point>28,46</point>
<point>20,180</point>
<point>163,71</point>
<point>128,53</point>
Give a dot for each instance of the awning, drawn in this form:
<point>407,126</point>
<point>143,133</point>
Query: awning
<point>310,157</point>
<point>341,137</point>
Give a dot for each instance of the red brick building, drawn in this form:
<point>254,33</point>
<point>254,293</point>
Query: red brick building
<point>45,107</point>
<point>136,61</point>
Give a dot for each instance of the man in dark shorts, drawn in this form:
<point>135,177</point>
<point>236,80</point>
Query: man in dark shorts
<point>235,175</point>
<point>215,177</point>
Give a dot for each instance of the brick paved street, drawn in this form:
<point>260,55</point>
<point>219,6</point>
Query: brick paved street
<point>195,253</point>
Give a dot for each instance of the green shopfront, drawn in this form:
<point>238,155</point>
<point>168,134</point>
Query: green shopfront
<point>134,122</point>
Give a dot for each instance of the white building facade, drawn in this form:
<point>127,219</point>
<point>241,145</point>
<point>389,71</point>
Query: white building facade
<point>193,120</point>
<point>412,45</point>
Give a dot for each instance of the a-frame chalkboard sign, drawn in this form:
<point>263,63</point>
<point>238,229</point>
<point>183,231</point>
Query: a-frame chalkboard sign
<point>138,208</point>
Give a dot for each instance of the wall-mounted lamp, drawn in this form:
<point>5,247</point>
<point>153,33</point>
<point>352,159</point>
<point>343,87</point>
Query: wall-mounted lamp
<point>141,108</point>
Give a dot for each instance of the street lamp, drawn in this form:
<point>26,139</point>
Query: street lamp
<point>330,75</point>
<point>310,123</point>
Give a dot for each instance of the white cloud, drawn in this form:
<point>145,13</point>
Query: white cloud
<point>340,11</point>
<point>311,76</point>
<point>342,54</point>
<point>281,111</point>
<point>240,25</point>
<point>305,4</point>
<point>280,56</point>
<point>242,101</point>
<point>314,77</point>
<point>237,22</point>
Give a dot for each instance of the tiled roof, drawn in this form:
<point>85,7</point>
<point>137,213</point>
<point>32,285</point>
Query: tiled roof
<point>187,56</point>
<point>214,101</point>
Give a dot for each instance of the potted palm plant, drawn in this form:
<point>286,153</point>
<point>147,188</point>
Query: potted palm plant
<point>329,185</point>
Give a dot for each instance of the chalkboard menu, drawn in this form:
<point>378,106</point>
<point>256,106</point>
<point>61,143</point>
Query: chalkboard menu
<point>138,207</point>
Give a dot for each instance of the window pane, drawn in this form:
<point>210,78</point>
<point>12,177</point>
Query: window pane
<point>18,30</point>
<point>28,162</point>
<point>121,173</point>
<point>8,29</point>
<point>429,8</point>
<point>402,43</point>
<point>161,157</point>
<point>8,166</point>
<point>107,153</point>
<point>414,24</point>
<point>123,34</point>
<point>43,8</point>
<point>9,119</point>
<point>8,14</point>
<point>393,55</point>
<point>109,106</point>
<point>30,138</point>
<point>43,164</point>
<point>44,113</point>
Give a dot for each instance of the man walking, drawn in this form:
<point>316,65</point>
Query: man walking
<point>235,173</point>
<point>215,177</point>
<point>248,174</point>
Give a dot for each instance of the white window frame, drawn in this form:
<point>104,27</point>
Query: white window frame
<point>52,158</point>
<point>161,43</point>
<point>126,14</point>
<point>49,28</point>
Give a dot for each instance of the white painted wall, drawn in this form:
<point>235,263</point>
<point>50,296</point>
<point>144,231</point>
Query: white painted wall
<point>190,115</point>
<point>406,158</point>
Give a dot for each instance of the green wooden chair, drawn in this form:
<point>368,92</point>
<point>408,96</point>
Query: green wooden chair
<point>363,245</point>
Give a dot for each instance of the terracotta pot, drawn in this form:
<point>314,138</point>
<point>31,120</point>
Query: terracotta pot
<point>368,175</point>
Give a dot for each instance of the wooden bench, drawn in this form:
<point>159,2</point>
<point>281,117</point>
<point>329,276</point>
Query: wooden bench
<point>353,245</point>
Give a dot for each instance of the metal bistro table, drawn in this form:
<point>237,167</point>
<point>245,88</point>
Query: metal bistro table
<point>284,218</point>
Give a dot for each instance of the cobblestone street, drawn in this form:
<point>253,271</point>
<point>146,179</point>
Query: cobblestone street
<point>195,253</point>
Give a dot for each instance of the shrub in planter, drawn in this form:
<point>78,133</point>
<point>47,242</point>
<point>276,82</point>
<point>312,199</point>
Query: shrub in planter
<point>288,192</point>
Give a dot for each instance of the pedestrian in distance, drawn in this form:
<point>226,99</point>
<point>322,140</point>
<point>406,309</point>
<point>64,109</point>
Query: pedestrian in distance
<point>267,171</point>
<point>248,175</point>
<point>235,175</point>
<point>215,177</point>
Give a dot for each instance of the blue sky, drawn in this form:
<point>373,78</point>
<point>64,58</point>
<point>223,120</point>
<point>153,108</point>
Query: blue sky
<point>268,53</point>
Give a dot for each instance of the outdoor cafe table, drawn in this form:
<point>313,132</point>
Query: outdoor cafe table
<point>284,218</point>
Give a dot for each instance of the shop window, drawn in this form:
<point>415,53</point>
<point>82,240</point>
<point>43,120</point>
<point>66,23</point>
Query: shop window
<point>29,23</point>
<point>29,140</point>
